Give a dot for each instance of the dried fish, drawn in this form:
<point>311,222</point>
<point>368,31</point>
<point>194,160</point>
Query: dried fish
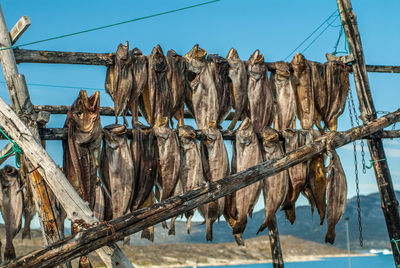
<point>11,207</point>
<point>156,98</point>
<point>318,85</point>
<point>202,99</point>
<point>216,166</point>
<point>177,81</point>
<point>304,92</point>
<point>285,112</point>
<point>139,71</point>
<point>248,154</point>
<point>261,102</point>
<point>337,85</point>
<point>239,79</point>
<point>191,166</point>
<point>274,187</point>
<point>119,81</point>
<point>29,206</point>
<point>117,169</point>
<point>220,70</point>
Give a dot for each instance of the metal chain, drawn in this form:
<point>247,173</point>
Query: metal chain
<point>358,124</point>
<point>351,103</point>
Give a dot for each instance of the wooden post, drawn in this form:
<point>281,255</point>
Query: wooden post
<point>20,99</point>
<point>389,202</point>
<point>104,233</point>
<point>276,251</point>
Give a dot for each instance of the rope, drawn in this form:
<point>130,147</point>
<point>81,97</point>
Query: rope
<point>15,149</point>
<point>111,25</point>
<point>397,247</point>
<point>371,162</point>
<point>58,86</point>
<point>311,34</point>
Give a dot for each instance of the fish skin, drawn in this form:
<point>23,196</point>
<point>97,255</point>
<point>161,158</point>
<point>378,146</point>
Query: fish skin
<point>119,81</point>
<point>297,173</point>
<point>29,205</point>
<point>82,148</point>
<point>304,92</point>
<point>215,167</point>
<point>261,102</point>
<point>248,154</point>
<point>191,167</point>
<point>177,81</point>
<point>220,69</point>
<point>337,85</point>
<point>169,159</point>
<point>101,208</point>
<point>274,187</point>
<point>202,97</point>
<point>238,75</point>
<point>11,207</point>
<point>140,74</point>
<point>318,84</point>
<point>145,164</point>
<point>156,98</point>
<point>281,84</point>
<point>117,169</point>
<point>336,195</point>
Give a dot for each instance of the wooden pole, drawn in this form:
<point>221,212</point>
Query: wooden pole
<point>367,110</point>
<point>276,251</point>
<point>20,99</point>
<point>104,233</point>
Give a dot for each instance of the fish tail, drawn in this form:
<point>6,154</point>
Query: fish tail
<point>9,251</point>
<point>213,210</point>
<point>148,234</point>
<point>209,228</point>
<point>330,235</point>
<point>171,230</point>
<point>189,223</point>
<point>263,226</point>
<point>84,262</point>
<point>290,214</point>
<point>240,225</point>
<point>164,225</point>
<point>239,239</point>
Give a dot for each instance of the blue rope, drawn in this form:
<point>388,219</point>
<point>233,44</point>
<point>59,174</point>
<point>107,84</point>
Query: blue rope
<point>15,149</point>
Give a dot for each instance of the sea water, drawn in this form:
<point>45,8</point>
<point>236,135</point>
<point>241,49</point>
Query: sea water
<point>378,261</point>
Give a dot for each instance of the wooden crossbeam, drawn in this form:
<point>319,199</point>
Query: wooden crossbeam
<point>85,58</point>
<point>19,28</point>
<point>104,233</point>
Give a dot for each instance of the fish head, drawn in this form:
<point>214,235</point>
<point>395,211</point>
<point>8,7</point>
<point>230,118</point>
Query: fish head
<point>232,55</point>
<point>269,136</point>
<point>186,132</point>
<point>8,175</point>
<point>298,62</point>
<point>244,133</point>
<point>85,112</point>
<point>282,68</point>
<point>136,52</point>
<point>256,58</point>
<point>158,60</point>
<point>256,65</point>
<point>195,59</point>
<point>172,53</point>
<point>122,51</point>
<point>114,135</point>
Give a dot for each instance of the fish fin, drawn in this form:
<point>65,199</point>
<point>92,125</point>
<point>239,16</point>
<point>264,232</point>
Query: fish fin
<point>148,234</point>
<point>290,214</point>
<point>189,224</point>
<point>171,230</point>
<point>84,262</point>
<point>239,239</point>
<point>9,252</point>
<point>164,225</point>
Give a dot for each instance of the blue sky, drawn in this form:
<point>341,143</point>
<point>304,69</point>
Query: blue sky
<point>274,27</point>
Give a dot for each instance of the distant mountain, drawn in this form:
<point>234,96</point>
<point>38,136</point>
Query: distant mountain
<point>306,227</point>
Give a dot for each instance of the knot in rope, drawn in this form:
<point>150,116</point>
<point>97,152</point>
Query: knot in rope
<point>15,150</point>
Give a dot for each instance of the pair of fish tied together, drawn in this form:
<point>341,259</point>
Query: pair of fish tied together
<point>161,162</point>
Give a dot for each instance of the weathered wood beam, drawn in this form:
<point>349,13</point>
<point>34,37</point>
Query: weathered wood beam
<point>103,233</point>
<point>107,111</point>
<point>85,58</point>
<point>274,241</point>
<point>69,199</point>
<point>19,28</point>
<point>383,177</point>
<point>6,149</point>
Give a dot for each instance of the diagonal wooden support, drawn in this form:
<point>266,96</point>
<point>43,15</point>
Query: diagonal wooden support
<point>20,99</point>
<point>102,234</point>
<point>390,205</point>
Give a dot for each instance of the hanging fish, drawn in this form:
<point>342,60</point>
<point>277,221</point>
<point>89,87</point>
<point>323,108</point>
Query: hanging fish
<point>318,85</point>
<point>139,70</point>
<point>336,194</point>
<point>216,166</point>
<point>177,81</point>
<point>248,154</point>
<point>117,169</point>
<point>144,158</point>
<point>119,81</point>
<point>82,149</point>
<point>274,187</point>
<point>285,112</point>
<point>11,207</point>
<point>191,166</point>
<point>29,205</point>
<point>261,102</point>
<point>239,79</point>
<point>202,99</point>
<point>220,70</point>
<point>102,209</point>
<point>304,92</point>
<point>337,86</point>
<point>156,98</point>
